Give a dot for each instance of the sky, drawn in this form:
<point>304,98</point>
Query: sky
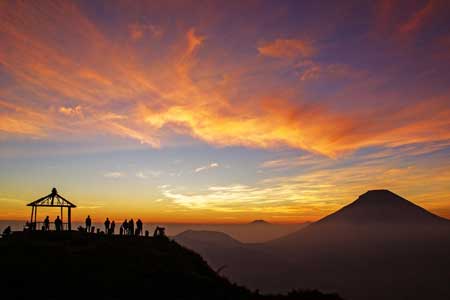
<point>223,111</point>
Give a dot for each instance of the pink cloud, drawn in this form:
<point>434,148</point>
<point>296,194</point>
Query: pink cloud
<point>288,48</point>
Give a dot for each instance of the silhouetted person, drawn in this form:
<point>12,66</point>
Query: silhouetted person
<point>88,223</point>
<point>131,227</point>
<point>6,231</point>
<point>139,226</point>
<point>112,228</point>
<point>125,227</point>
<point>107,222</point>
<point>159,232</point>
<point>28,226</point>
<point>47,223</point>
<point>58,223</point>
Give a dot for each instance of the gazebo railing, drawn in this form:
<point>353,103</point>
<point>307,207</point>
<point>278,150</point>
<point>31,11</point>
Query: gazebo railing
<point>41,226</point>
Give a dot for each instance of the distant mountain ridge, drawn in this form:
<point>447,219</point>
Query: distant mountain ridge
<point>205,238</point>
<point>257,222</point>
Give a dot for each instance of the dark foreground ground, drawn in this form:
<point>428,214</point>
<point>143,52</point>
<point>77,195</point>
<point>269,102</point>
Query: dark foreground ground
<point>76,265</point>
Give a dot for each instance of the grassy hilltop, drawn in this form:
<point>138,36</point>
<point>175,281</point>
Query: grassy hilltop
<point>74,265</point>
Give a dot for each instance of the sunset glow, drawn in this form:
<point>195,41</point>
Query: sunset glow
<point>223,111</point>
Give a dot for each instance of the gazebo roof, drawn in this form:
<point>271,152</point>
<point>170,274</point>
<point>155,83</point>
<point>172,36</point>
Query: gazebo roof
<point>52,200</point>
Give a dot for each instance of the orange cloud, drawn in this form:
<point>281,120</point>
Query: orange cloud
<point>318,192</point>
<point>21,120</point>
<point>122,95</point>
<point>137,31</point>
<point>194,40</point>
<point>71,111</point>
<point>288,48</point>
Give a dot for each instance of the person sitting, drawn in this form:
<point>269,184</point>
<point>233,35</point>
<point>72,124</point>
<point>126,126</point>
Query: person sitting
<point>159,232</point>
<point>6,232</point>
<point>28,226</point>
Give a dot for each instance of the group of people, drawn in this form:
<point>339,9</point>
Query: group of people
<point>58,224</point>
<point>127,227</point>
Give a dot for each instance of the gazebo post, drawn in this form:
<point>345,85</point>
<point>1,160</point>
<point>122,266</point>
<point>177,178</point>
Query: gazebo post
<point>32,213</point>
<point>62,218</point>
<point>35,216</point>
<point>69,220</point>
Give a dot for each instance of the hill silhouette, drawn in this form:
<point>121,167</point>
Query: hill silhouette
<point>206,238</point>
<point>261,222</point>
<point>257,231</point>
<point>75,265</point>
<point>229,255</point>
<point>380,246</point>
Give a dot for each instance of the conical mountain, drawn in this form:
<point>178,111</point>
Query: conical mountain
<point>382,206</point>
<point>377,247</point>
<point>376,214</point>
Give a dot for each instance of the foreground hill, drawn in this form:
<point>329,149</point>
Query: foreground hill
<point>380,246</point>
<point>74,265</point>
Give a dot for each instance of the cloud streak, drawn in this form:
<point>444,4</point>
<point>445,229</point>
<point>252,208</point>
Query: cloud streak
<point>287,48</point>
<point>114,175</point>
<point>207,167</point>
<point>318,192</point>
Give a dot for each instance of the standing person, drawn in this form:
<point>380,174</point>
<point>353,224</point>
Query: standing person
<point>58,223</point>
<point>139,226</point>
<point>131,227</point>
<point>125,227</point>
<point>88,224</point>
<point>107,222</point>
<point>112,228</point>
<point>47,223</point>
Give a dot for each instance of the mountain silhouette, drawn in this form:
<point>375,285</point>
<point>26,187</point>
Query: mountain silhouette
<point>382,206</point>
<point>380,246</point>
<point>204,238</point>
<point>376,214</point>
<point>257,231</point>
<point>259,222</point>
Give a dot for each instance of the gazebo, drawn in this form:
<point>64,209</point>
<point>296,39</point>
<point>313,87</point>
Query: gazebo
<point>52,200</point>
